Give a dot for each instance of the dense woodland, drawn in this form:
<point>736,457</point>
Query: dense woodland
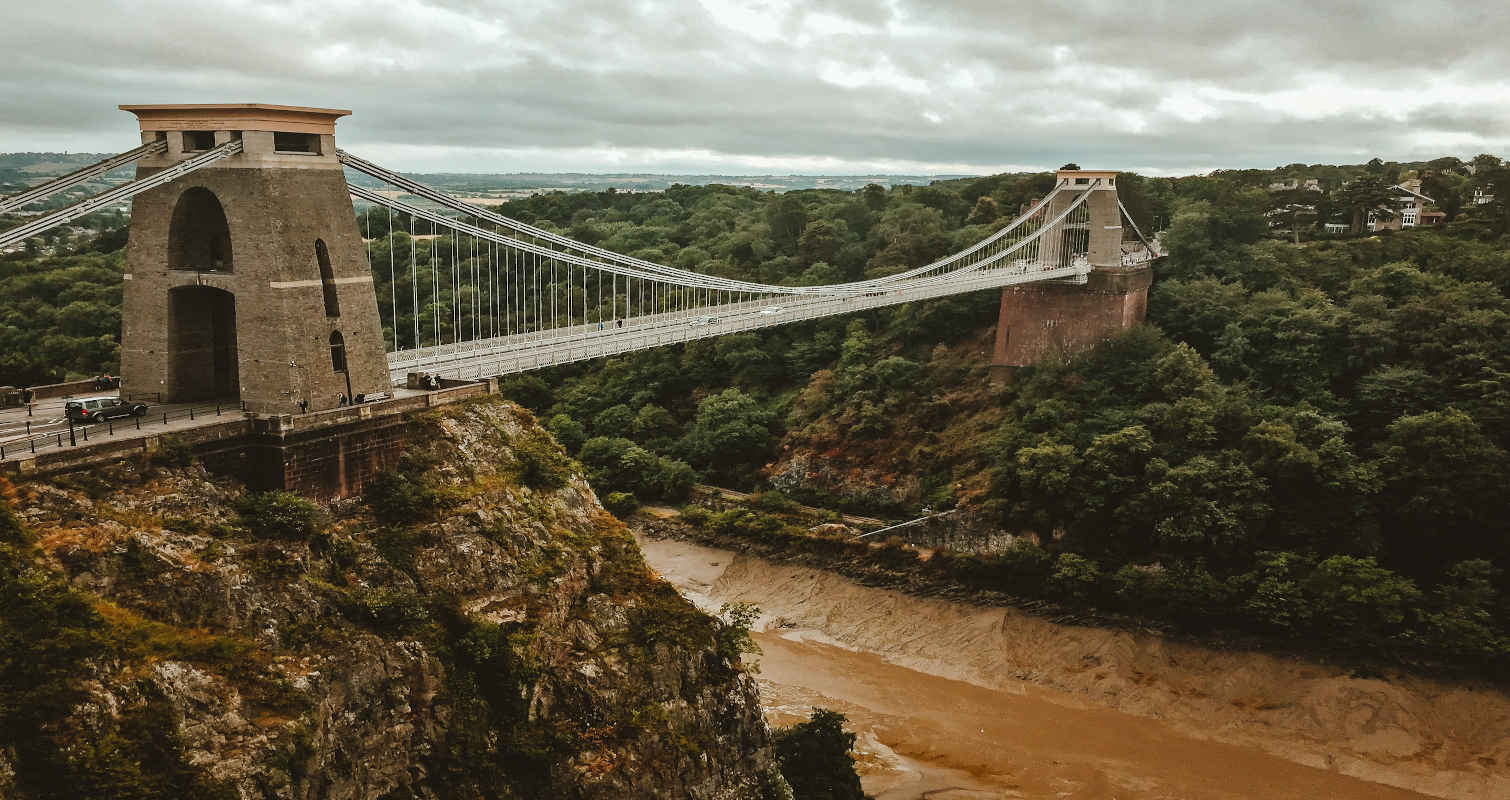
<point>1306,443</point>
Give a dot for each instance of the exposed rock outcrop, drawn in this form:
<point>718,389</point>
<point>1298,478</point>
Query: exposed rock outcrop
<point>490,632</point>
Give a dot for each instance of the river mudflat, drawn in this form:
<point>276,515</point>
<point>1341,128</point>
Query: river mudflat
<point>951,701</point>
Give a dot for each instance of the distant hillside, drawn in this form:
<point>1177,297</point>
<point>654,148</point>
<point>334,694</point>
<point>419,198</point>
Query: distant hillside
<point>650,182</point>
<point>18,170</point>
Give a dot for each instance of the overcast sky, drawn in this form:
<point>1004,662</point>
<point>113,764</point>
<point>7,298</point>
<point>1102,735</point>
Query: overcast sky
<point>772,86</point>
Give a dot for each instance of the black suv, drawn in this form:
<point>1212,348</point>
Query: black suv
<point>99,409</point>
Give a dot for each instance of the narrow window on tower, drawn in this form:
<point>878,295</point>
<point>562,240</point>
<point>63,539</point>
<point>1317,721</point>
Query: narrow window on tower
<point>306,143</point>
<point>337,352</point>
<point>196,141</point>
<point>327,280</point>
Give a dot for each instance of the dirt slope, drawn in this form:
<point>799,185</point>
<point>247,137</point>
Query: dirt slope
<point>1420,735</point>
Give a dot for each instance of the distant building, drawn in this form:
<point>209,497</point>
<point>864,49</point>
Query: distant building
<point>1291,184</point>
<point>1405,208</point>
<point>1482,196</point>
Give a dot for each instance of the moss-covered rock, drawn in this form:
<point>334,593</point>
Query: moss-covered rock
<point>477,627</point>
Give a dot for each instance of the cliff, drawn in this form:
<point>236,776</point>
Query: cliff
<point>476,627</point>
<point>900,442</point>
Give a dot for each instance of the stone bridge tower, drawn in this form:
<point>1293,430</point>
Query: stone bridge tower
<point>248,279</point>
<point>1055,319</point>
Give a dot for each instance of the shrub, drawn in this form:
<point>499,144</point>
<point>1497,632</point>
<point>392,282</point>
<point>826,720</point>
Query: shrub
<point>569,433</point>
<point>278,515</point>
<point>614,420</point>
<point>1021,568</point>
<point>731,636</point>
<point>1357,601</point>
<point>815,758</point>
<point>620,504</point>
<point>1271,593</point>
<point>617,464</point>
<point>744,524</point>
<point>672,480</point>
<point>389,609</point>
<point>894,554</point>
<point>406,493</point>
<point>1074,577</point>
<point>540,464</point>
<point>773,501</point>
<point>527,390</point>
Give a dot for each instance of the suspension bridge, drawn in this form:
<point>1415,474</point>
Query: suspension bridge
<point>247,276</point>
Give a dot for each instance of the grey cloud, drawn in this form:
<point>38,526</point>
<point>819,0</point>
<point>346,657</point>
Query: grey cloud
<point>978,83</point>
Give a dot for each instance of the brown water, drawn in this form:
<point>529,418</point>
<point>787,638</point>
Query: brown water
<point>952,701</point>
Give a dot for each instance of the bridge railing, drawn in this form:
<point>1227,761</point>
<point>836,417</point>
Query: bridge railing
<point>505,357</point>
<point>77,434</point>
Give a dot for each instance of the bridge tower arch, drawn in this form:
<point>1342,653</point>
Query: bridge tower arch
<point>237,284</point>
<point>1057,319</point>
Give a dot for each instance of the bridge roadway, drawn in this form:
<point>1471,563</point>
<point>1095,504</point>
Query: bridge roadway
<point>46,417</point>
<point>49,427</point>
<point>520,352</point>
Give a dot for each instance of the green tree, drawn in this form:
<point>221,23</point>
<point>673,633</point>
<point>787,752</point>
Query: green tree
<point>985,211</point>
<point>1495,180</point>
<point>820,241</point>
<point>730,435</point>
<point>278,515</point>
<point>787,217</point>
<point>1358,602</point>
<point>1448,191</point>
<point>1441,479</point>
<point>568,432</point>
<point>815,758</point>
<point>912,234</point>
<point>1366,195</point>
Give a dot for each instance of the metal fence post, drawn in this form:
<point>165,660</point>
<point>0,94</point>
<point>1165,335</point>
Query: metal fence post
<point>72,442</point>
<point>191,413</point>
<point>111,424</point>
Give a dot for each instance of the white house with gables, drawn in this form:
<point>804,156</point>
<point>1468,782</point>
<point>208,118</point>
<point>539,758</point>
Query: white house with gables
<point>1407,209</point>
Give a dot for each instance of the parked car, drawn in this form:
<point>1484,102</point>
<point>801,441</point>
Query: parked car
<point>99,409</point>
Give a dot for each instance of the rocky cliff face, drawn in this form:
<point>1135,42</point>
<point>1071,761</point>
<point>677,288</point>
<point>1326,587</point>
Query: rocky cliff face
<point>478,628</point>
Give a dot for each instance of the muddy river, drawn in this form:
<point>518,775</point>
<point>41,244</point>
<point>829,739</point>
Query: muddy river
<point>952,701</point>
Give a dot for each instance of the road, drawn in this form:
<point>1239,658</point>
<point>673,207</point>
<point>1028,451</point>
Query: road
<point>46,419</point>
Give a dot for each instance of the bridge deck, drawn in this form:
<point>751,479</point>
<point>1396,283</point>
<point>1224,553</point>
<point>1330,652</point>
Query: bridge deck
<point>503,355</point>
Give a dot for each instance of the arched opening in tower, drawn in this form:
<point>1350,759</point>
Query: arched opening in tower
<point>202,363</point>
<point>199,238</point>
